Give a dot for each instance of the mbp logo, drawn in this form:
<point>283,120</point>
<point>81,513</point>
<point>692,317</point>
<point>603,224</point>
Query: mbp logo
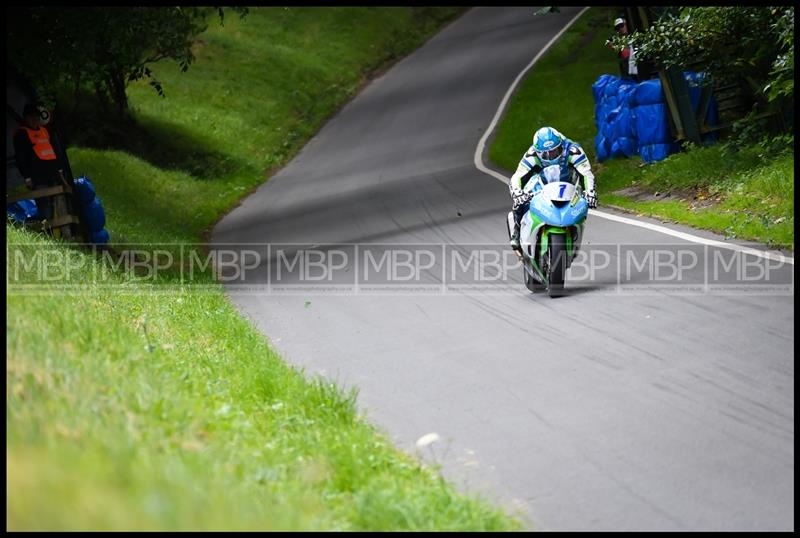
<point>308,268</point>
<point>660,268</point>
<point>392,265</point>
<point>660,264</point>
<point>592,264</point>
<point>399,268</point>
<point>745,272</point>
<point>226,264</point>
<point>482,267</point>
<point>310,265</point>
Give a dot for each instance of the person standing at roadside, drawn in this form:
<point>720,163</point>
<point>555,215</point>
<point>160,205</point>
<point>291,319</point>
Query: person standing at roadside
<point>627,56</point>
<point>36,159</point>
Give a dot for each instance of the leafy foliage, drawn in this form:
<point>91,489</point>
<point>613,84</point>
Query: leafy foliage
<point>750,46</point>
<point>782,75</point>
<point>101,48</point>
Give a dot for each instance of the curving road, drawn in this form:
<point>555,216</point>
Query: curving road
<point>622,405</point>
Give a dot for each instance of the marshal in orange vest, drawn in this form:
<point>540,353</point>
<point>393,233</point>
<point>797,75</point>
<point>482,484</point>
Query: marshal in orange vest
<point>40,139</point>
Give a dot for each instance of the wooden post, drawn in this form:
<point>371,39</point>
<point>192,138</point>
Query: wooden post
<point>61,206</point>
<point>63,218</point>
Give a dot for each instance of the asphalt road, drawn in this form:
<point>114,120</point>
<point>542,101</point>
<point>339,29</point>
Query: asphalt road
<point>658,394</point>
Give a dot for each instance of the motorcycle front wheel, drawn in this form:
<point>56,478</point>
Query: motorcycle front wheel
<point>557,250</point>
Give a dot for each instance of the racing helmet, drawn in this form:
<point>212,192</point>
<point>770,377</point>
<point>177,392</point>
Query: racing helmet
<point>548,145</point>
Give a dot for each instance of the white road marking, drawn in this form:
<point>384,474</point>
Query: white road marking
<point>479,150</point>
<point>774,255</point>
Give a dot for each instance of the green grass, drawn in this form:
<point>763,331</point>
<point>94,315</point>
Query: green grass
<point>747,194</point>
<point>131,409</point>
<point>737,195</point>
<point>259,89</point>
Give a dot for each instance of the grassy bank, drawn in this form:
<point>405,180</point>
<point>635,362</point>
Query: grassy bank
<point>740,195</point>
<point>746,195</point>
<point>130,409</point>
<point>259,89</point>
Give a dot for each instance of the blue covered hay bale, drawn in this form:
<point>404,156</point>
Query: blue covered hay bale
<point>633,118</point>
<point>100,237</point>
<point>23,210</point>
<point>92,212</point>
<point>624,147</point>
<point>94,216</point>
<point>622,126</point>
<point>598,88</point>
<point>654,138</point>
<point>694,83</point>
<point>613,117</point>
<point>657,152</point>
<point>652,124</point>
<point>601,147</point>
<point>648,92</point>
<point>85,190</point>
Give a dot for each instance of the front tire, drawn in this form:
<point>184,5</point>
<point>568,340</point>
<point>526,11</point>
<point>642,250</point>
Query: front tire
<point>558,264</point>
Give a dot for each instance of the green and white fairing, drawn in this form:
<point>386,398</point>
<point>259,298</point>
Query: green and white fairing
<point>557,207</point>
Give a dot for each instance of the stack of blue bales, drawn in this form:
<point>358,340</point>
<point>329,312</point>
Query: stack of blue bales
<point>91,210</point>
<point>633,119</point>
<point>613,118</point>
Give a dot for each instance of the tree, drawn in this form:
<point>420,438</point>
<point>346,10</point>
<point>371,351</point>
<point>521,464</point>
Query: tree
<point>102,48</point>
<point>749,46</point>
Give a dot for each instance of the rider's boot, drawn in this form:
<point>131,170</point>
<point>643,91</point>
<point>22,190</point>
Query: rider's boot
<point>513,232</point>
<point>515,238</point>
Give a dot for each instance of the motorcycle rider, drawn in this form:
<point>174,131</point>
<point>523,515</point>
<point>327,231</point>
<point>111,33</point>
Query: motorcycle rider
<point>549,148</point>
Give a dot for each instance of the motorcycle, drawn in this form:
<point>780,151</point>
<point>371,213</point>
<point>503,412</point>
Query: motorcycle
<point>551,230</point>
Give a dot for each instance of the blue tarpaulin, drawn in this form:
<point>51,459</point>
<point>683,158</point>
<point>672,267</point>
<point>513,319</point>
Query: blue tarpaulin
<point>22,210</point>
<point>85,190</point>
<point>694,82</point>
<point>632,119</point>
<point>92,210</point>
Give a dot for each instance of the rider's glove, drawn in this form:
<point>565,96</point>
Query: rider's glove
<point>591,198</point>
<point>519,197</point>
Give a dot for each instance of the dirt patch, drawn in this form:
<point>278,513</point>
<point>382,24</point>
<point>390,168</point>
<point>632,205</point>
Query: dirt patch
<point>695,198</point>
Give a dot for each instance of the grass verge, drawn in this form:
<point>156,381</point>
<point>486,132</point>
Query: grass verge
<point>259,89</point>
<point>129,409</point>
<point>133,406</point>
<point>746,195</point>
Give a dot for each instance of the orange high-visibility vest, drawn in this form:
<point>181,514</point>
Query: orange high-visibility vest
<point>41,143</point>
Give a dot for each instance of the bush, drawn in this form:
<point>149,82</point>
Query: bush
<point>752,47</point>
